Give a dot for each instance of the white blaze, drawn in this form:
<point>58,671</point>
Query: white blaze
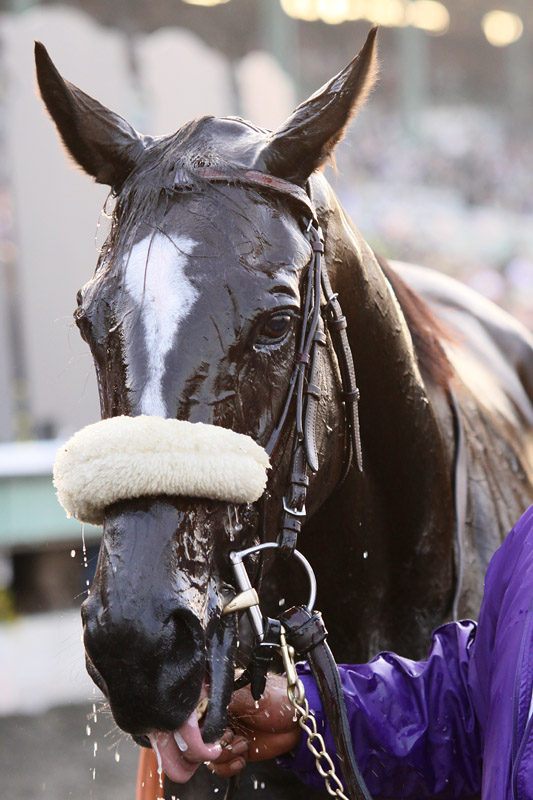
<point>157,283</point>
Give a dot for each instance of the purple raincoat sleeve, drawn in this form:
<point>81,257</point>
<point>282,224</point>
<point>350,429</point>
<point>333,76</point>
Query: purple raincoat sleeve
<point>413,724</point>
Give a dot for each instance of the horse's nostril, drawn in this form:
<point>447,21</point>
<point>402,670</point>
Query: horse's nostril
<point>186,638</point>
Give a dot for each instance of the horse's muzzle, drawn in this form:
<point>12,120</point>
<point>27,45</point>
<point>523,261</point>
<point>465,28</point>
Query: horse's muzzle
<point>153,630</point>
<point>151,669</point>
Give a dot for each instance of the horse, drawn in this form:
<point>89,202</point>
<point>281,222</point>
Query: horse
<point>194,313</point>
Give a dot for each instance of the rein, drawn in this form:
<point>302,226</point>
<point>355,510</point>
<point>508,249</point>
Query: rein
<point>300,631</point>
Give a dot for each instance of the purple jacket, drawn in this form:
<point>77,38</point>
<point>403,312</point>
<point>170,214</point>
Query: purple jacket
<point>460,721</point>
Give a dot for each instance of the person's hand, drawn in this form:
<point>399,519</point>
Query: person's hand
<point>258,730</point>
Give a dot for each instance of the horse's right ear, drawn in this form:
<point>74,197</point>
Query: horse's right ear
<point>102,142</point>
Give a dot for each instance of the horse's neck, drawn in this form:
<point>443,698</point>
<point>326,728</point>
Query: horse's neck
<point>398,415</point>
<point>402,506</point>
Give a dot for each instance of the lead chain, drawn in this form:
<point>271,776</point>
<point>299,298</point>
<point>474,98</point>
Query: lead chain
<point>307,722</point>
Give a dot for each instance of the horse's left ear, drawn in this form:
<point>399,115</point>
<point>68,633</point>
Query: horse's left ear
<point>313,130</point>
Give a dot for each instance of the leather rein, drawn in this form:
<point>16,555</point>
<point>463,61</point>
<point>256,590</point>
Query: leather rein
<point>304,628</point>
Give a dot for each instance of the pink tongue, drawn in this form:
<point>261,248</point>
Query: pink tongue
<point>180,754</point>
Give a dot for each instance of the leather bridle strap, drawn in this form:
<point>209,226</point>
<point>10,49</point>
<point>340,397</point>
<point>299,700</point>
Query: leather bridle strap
<point>306,632</point>
<point>336,322</point>
<point>306,389</point>
<point>350,393</point>
<point>255,178</point>
<point>305,385</point>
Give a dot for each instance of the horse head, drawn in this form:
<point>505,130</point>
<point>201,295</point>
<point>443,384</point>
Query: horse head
<point>194,314</point>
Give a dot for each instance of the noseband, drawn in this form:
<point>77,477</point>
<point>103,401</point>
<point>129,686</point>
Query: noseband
<point>125,457</point>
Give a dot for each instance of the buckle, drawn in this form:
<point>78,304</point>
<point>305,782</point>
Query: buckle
<point>292,511</point>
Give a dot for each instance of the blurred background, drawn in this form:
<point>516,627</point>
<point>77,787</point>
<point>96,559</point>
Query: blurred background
<point>436,170</point>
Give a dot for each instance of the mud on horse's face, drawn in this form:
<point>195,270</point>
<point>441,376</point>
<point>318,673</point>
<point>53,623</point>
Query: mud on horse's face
<point>192,314</point>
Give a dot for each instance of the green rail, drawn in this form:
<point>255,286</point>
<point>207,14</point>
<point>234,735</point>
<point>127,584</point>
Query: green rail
<point>30,514</point>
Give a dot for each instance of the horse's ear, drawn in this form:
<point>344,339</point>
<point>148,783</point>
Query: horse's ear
<point>313,130</point>
<point>102,142</point>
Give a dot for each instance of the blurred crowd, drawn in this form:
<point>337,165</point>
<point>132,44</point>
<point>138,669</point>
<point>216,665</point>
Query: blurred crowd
<point>455,194</point>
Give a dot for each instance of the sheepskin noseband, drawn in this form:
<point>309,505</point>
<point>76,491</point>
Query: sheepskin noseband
<point>125,457</point>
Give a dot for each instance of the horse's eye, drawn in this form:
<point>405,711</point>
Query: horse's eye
<point>274,328</point>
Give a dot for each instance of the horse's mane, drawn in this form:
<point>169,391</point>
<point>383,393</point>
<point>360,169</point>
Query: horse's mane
<point>426,330</point>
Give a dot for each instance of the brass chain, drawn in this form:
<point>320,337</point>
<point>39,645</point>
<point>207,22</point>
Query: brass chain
<point>307,722</point>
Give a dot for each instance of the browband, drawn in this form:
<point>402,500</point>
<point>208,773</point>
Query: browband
<point>254,177</point>
<point>125,457</point>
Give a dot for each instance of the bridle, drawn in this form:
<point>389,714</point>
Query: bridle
<point>87,478</point>
<point>321,312</point>
<point>302,626</point>
<point>304,387</point>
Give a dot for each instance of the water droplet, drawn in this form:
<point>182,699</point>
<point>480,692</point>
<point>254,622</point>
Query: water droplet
<point>95,748</point>
<point>83,545</point>
<point>73,554</point>
<point>94,773</point>
<point>117,756</point>
<point>88,730</point>
<point>281,602</point>
<point>365,554</point>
